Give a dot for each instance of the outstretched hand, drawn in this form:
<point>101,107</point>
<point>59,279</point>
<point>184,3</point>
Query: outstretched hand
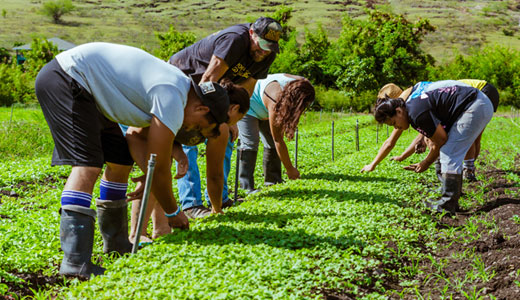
<point>181,159</point>
<point>368,168</point>
<point>417,168</point>
<point>137,194</point>
<point>179,221</point>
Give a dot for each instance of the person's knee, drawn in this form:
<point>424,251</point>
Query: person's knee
<point>117,173</point>
<point>82,179</point>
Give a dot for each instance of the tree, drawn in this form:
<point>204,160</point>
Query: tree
<point>56,9</point>
<point>172,42</point>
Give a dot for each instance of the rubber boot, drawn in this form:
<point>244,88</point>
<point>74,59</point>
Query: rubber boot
<point>272,167</point>
<point>451,191</point>
<point>113,225</point>
<point>77,239</point>
<point>438,171</point>
<point>246,169</point>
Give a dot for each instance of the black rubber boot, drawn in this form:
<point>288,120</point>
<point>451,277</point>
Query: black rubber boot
<point>438,171</point>
<point>246,170</point>
<point>451,191</point>
<point>113,225</point>
<point>77,239</point>
<point>272,167</point>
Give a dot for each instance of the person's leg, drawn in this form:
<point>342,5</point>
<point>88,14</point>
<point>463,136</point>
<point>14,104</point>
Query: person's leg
<point>189,187</point>
<point>159,221</point>
<point>248,129</point>
<point>460,138</point>
<point>227,168</point>
<point>112,208</point>
<point>134,218</point>
<point>73,120</point>
<point>272,164</point>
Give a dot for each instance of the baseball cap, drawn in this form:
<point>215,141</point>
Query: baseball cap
<point>269,32</point>
<point>214,96</point>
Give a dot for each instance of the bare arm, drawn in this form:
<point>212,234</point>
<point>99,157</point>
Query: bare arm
<point>217,67</point>
<point>438,139</point>
<point>160,141</point>
<point>215,152</point>
<point>385,149</point>
<point>410,150</point>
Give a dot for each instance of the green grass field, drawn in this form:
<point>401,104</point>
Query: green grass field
<point>334,233</point>
<point>460,24</point>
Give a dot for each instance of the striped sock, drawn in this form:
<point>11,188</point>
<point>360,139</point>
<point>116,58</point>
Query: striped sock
<point>76,198</point>
<point>469,164</point>
<point>112,190</point>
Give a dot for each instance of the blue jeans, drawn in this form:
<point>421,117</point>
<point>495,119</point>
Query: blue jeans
<point>464,132</point>
<point>189,186</point>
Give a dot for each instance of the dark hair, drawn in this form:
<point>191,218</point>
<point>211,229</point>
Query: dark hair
<point>237,95</point>
<point>387,108</point>
<point>295,97</point>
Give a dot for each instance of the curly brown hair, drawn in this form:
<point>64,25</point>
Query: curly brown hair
<point>295,97</point>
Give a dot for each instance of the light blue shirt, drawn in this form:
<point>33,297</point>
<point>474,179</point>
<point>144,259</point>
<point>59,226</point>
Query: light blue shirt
<point>257,108</point>
<point>128,84</point>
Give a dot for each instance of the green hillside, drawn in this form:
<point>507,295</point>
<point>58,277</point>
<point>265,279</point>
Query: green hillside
<point>460,24</point>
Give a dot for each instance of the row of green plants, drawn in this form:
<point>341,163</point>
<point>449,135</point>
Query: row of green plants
<point>369,52</point>
<point>335,231</point>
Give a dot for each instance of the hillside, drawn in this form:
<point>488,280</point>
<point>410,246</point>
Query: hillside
<point>460,24</point>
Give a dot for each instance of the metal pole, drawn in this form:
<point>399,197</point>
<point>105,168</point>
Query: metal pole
<point>237,166</point>
<point>386,130</point>
<point>332,141</point>
<point>377,134</point>
<point>296,149</point>
<point>320,113</point>
<point>357,134</point>
<point>11,118</point>
<point>144,201</point>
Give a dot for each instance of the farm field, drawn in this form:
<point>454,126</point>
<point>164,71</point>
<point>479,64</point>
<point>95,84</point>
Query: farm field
<point>460,24</point>
<point>335,234</point>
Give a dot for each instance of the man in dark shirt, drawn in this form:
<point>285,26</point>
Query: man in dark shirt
<point>242,53</point>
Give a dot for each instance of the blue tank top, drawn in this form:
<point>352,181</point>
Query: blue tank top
<point>257,108</point>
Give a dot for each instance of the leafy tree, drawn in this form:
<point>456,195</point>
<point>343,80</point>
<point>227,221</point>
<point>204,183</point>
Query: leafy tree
<point>42,51</point>
<point>384,48</point>
<point>56,9</point>
<point>172,42</point>
<point>496,64</point>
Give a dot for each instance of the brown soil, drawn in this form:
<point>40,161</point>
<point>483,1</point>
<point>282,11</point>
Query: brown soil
<point>34,281</point>
<point>496,244</point>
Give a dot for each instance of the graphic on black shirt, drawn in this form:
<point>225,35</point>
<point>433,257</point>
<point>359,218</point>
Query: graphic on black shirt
<point>232,45</point>
<point>441,106</point>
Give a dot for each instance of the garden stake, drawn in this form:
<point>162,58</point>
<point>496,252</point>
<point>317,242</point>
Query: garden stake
<point>144,201</point>
<point>357,134</point>
<point>377,134</point>
<point>11,118</point>
<point>321,110</point>
<point>236,170</point>
<point>386,130</point>
<point>296,149</point>
<point>332,140</point>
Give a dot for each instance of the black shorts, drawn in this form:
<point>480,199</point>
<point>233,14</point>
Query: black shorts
<point>492,93</point>
<point>82,135</point>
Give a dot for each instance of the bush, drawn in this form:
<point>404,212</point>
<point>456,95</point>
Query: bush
<point>56,9</point>
<point>172,42</point>
<point>15,85</point>
<point>496,64</point>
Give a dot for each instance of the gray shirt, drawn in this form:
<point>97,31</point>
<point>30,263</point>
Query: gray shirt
<point>128,84</point>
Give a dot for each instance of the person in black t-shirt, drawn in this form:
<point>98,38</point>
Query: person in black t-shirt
<point>242,53</point>
<point>452,118</point>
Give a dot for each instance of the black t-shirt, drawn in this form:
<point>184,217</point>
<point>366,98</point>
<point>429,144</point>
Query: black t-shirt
<point>232,45</point>
<point>441,106</point>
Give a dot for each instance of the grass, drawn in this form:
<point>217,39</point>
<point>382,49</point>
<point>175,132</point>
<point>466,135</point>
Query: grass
<point>334,230</point>
<point>460,25</point>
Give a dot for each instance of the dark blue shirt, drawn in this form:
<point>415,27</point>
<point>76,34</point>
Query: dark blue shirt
<point>441,106</point>
<point>232,45</point>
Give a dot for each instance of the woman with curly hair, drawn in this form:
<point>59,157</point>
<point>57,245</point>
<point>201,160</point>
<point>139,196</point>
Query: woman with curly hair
<point>276,106</point>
